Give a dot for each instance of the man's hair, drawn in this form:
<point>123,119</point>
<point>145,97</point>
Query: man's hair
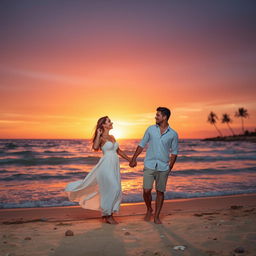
<point>164,111</point>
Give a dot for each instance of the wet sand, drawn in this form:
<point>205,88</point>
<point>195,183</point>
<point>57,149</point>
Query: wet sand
<point>201,226</point>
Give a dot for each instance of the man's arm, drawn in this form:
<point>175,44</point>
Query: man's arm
<point>133,163</point>
<point>172,162</point>
<point>174,154</point>
<point>139,148</point>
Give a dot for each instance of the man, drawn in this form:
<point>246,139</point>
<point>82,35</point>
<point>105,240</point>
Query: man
<point>157,163</point>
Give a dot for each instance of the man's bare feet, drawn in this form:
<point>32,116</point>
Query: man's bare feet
<point>157,220</point>
<point>112,218</point>
<point>148,215</point>
<point>109,219</point>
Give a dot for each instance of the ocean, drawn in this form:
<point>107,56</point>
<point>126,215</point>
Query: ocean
<point>34,172</point>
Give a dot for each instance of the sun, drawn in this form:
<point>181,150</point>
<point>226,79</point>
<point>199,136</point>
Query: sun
<point>117,133</point>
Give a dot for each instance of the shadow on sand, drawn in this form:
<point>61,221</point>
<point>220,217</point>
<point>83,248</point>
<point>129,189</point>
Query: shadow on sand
<point>89,242</point>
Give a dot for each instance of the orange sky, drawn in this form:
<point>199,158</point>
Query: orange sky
<point>63,67</point>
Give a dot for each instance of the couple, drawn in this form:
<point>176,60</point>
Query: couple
<point>101,188</point>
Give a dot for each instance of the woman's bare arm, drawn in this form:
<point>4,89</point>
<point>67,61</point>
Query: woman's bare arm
<point>121,152</point>
<point>123,155</point>
<point>97,142</point>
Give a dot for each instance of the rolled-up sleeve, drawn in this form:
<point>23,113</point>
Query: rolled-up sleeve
<point>175,146</point>
<point>145,139</point>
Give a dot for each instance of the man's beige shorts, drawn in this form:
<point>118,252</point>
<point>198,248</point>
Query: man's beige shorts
<point>161,177</point>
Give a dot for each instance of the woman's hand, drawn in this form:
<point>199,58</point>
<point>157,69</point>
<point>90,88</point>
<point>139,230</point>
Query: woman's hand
<point>99,131</point>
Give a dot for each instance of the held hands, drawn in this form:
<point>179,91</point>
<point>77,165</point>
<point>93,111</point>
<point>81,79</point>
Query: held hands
<point>133,163</point>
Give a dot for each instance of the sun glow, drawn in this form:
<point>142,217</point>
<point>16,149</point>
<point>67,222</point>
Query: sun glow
<point>119,131</point>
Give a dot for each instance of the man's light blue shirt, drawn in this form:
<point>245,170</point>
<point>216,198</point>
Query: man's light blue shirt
<point>160,147</point>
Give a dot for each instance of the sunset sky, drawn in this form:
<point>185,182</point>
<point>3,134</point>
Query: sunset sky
<point>64,64</point>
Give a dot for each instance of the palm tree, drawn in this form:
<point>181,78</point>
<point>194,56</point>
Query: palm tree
<point>212,117</point>
<point>226,119</point>
<point>242,113</point>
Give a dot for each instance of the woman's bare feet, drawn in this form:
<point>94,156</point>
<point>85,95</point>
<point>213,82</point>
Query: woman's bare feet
<point>148,215</point>
<point>157,220</point>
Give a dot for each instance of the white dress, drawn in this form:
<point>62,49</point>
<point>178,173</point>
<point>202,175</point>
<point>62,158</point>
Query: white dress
<point>101,188</point>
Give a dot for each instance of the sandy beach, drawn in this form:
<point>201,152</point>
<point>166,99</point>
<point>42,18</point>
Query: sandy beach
<point>203,226</point>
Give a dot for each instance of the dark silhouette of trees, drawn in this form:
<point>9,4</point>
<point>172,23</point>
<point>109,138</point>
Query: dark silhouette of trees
<point>242,113</point>
<point>212,119</point>
<point>226,119</point>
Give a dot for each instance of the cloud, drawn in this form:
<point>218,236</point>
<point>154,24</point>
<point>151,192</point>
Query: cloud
<point>47,76</point>
<point>16,121</point>
<point>191,109</point>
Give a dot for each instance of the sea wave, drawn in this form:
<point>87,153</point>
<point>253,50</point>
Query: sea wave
<point>125,176</point>
<point>212,171</point>
<point>184,158</point>
<point>50,160</point>
<point>43,176</point>
<point>29,159</point>
<point>126,198</point>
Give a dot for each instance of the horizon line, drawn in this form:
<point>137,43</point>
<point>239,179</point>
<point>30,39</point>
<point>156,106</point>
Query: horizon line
<point>80,138</point>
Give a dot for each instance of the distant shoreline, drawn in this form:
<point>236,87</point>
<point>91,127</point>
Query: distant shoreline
<point>249,138</point>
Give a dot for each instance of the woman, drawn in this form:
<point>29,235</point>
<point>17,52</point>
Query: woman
<point>101,188</point>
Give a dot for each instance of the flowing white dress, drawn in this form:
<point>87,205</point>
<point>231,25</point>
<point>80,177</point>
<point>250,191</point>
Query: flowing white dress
<point>101,188</point>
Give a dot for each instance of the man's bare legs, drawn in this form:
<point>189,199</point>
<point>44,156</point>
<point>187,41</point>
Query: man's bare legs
<point>159,204</point>
<point>148,199</point>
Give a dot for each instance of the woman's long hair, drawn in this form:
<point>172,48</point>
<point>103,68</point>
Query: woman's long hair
<point>100,123</point>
